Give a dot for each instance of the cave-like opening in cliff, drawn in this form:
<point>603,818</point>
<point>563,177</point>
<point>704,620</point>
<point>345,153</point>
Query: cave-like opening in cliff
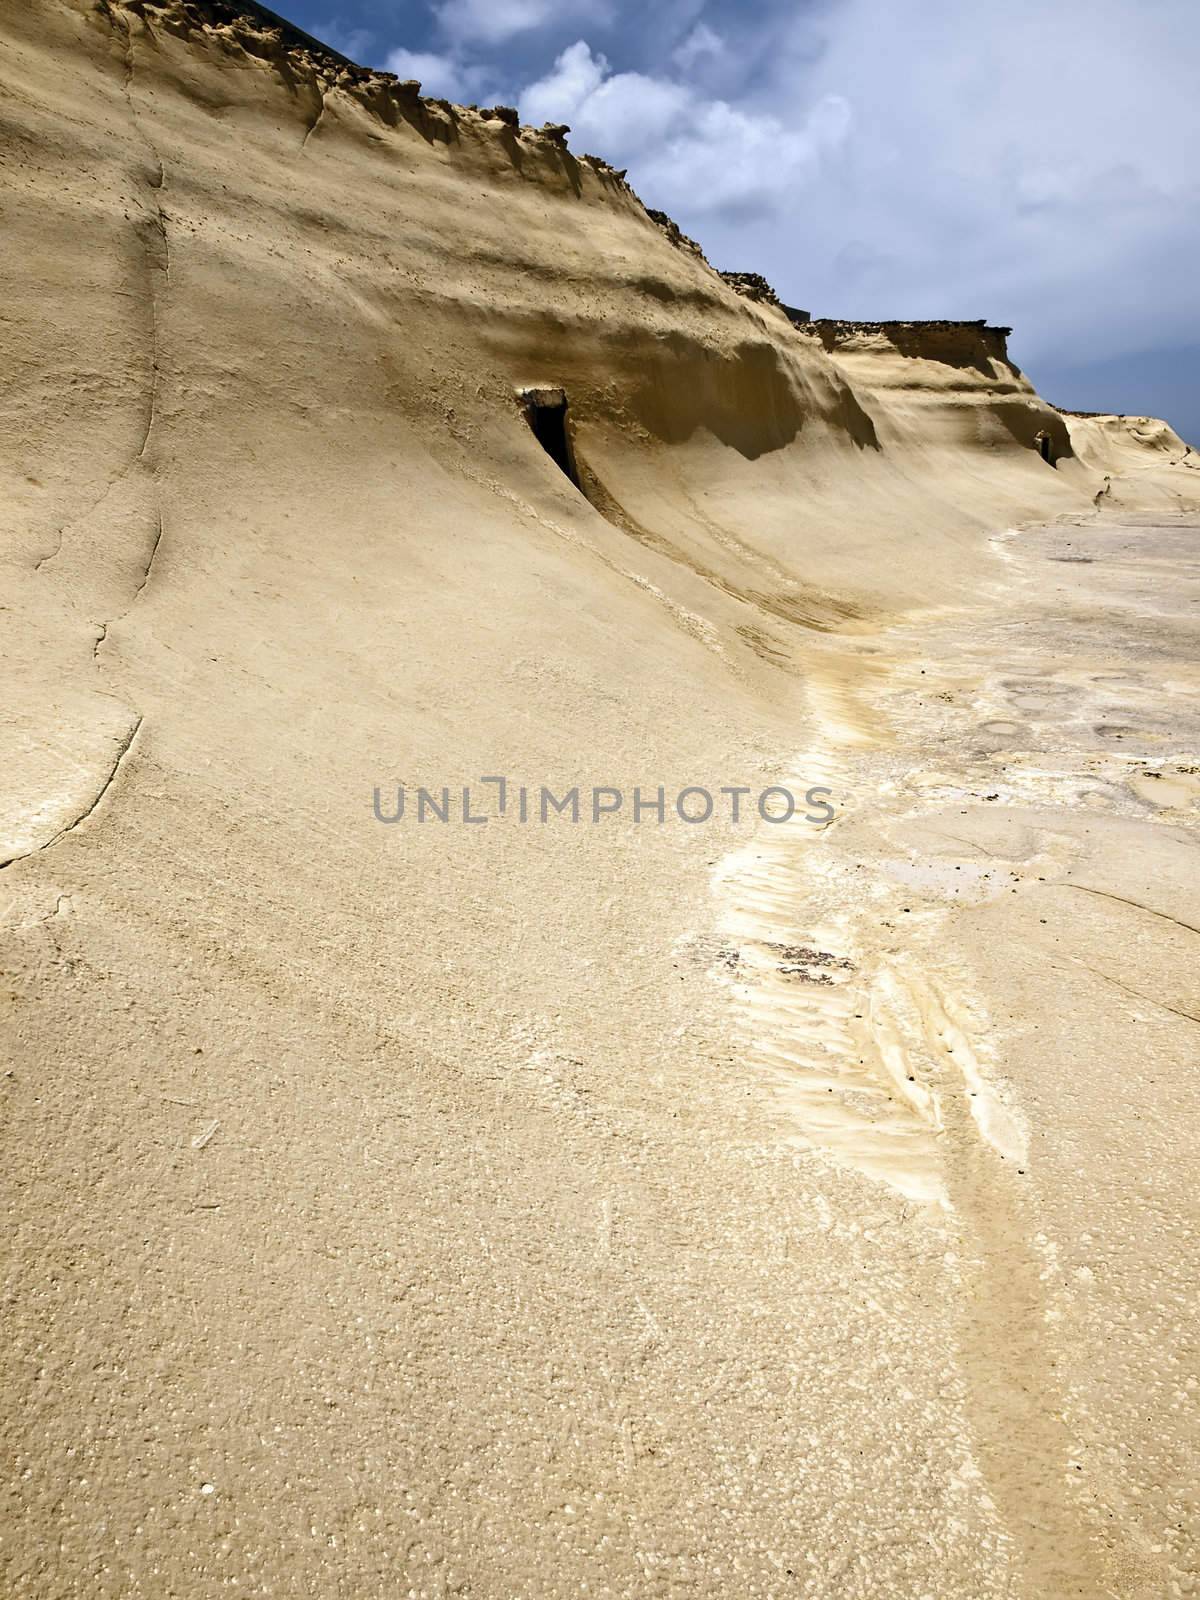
<point>547,413</point>
<point>1045,448</point>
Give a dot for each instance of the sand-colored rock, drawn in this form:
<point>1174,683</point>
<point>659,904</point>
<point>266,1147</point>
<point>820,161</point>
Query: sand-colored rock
<point>540,1208</point>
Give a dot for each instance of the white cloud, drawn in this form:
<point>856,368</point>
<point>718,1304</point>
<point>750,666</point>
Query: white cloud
<point>350,41</point>
<point>1035,165</point>
<point>484,22</point>
<point>444,77</point>
<point>576,76</point>
<point>701,44</point>
<point>437,75</point>
<point>683,149</point>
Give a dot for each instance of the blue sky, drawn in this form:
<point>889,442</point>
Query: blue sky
<point>1034,164</point>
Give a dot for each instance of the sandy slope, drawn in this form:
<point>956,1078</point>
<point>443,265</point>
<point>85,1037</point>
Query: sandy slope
<point>556,1209</point>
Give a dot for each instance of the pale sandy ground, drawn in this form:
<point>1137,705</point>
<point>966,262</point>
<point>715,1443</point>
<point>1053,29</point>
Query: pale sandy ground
<point>446,1210</point>
<point>1012,901</point>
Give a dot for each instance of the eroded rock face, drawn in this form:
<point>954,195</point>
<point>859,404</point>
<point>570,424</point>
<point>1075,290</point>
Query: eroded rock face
<point>496,1206</point>
<point>675,234</point>
<point>937,339</point>
<point>753,286</point>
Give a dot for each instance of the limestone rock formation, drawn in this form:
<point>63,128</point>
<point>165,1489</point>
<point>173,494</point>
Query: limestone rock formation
<point>479,1196</point>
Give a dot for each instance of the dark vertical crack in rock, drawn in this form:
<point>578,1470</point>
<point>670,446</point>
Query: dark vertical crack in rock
<point>314,123</point>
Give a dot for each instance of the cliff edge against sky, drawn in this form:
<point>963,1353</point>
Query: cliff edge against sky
<point>537,1207</point>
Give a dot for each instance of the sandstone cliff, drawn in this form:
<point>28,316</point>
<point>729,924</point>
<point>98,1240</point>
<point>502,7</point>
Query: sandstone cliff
<point>401,1209</point>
